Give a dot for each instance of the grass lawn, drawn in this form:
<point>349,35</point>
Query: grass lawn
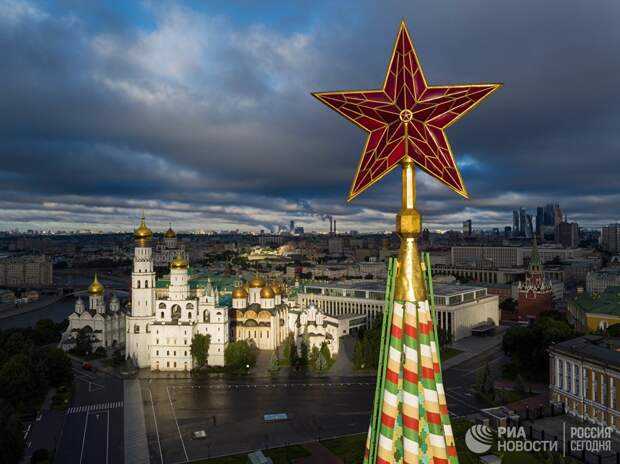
<point>278,455</point>
<point>350,449</point>
<point>449,353</point>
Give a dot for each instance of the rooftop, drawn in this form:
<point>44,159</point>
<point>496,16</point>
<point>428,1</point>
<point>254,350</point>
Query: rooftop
<point>607,302</point>
<point>439,289</point>
<point>592,347</point>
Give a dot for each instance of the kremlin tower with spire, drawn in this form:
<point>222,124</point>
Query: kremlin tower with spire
<point>536,293</point>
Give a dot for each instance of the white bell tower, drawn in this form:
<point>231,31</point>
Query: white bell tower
<point>142,298</point>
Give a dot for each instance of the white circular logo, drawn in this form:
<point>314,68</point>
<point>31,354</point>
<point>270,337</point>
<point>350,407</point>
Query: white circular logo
<point>479,438</point>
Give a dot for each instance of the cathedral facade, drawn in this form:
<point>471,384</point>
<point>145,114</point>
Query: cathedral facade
<point>163,316</point>
<point>104,318</point>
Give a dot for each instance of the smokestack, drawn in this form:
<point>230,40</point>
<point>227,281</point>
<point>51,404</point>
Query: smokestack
<point>334,227</point>
<point>331,226</point>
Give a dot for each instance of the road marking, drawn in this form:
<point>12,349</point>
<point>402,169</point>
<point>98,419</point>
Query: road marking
<point>174,414</point>
<point>95,407</point>
<point>84,436</point>
<point>107,437</point>
<point>275,385</point>
<point>161,455</point>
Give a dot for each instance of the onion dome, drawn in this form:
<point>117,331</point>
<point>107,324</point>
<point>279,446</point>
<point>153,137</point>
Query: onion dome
<point>267,292</point>
<point>277,290</point>
<point>95,288</point>
<point>170,233</point>
<point>239,292</point>
<point>142,234</point>
<point>257,282</point>
<point>179,263</point>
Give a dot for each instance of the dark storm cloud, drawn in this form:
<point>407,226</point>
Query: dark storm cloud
<point>206,120</point>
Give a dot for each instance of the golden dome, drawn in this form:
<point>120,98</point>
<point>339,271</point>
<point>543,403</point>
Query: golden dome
<point>95,289</point>
<point>277,290</point>
<point>142,234</point>
<point>179,263</point>
<point>170,233</point>
<point>239,292</point>
<point>257,282</point>
<point>267,292</point>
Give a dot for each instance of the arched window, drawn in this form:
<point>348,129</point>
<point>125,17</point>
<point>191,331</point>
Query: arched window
<point>176,312</point>
<point>136,329</point>
<point>189,306</point>
<point>189,315</point>
<point>162,305</point>
<point>138,284</point>
<point>146,284</point>
<point>162,314</point>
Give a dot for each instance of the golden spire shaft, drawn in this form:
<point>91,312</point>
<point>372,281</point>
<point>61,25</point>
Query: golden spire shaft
<point>409,280</point>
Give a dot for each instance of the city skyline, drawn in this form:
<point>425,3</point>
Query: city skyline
<point>203,115</point>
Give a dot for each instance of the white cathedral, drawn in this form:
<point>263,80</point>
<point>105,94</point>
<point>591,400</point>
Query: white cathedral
<point>160,322</point>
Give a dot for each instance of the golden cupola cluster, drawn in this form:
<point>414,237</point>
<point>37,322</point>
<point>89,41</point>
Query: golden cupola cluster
<point>267,290</point>
<point>179,262</point>
<point>142,234</point>
<point>95,288</point>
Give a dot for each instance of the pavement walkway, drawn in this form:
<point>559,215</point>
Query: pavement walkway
<point>318,455</point>
<point>472,346</point>
<point>136,444</point>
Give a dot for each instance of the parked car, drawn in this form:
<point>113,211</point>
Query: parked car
<point>87,366</point>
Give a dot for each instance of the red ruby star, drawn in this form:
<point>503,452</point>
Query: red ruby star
<point>406,98</point>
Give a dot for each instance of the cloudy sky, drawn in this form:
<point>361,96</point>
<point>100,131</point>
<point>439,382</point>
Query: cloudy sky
<point>200,111</point>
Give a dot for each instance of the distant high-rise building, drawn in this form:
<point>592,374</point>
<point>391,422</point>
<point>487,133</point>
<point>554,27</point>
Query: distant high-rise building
<point>568,234</point>
<point>540,220</point>
<point>507,231</point>
<point>515,222</point>
<point>557,215</point>
<point>522,221</point>
<point>467,228</point>
<point>292,227</point>
<point>528,229</point>
<point>610,238</point>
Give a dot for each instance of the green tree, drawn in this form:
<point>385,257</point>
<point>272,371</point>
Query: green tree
<point>613,330</point>
<point>240,354</point>
<point>321,362</point>
<point>358,355</point>
<point>200,349</point>
<point>519,385</point>
<point>508,304</point>
<point>314,356</point>
<point>59,370</point>
<point>11,437</point>
<point>84,341</point>
<point>303,353</point>
<point>46,331</point>
<point>484,382</point>
<point>289,350</point>
<point>19,381</point>
<point>527,345</point>
<point>325,352</point>
<point>275,360</point>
